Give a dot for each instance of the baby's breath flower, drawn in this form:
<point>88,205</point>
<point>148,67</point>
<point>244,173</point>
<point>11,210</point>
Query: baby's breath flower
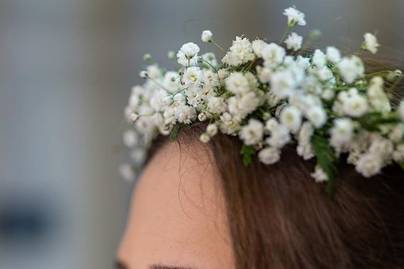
<point>257,46</point>
<point>317,116</point>
<point>353,104</point>
<point>127,172</point>
<point>237,83</point>
<point>294,42</point>
<point>369,165</point>
<point>171,54</point>
<point>401,110</point>
<point>192,76</point>
<point>241,52</point>
<point>252,133</point>
<point>202,116</point>
<point>269,97</point>
<point>291,117</point>
<point>294,17</point>
<point>341,133</point>
<point>319,58</point>
<point>188,53</point>
<point>143,74</point>
<point>398,154</point>
<point>130,138</point>
<point>282,83</point>
<point>204,138</point>
<point>269,155</point>
<point>273,54</point>
<point>377,97</point>
<point>370,43</point>
<point>319,175</point>
<point>216,105</point>
<point>212,129</point>
<point>333,55</point>
<point>280,134</point>
<point>351,69</point>
<point>207,36</point>
<point>147,57</point>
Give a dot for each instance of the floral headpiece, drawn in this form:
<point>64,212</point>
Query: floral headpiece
<point>271,95</point>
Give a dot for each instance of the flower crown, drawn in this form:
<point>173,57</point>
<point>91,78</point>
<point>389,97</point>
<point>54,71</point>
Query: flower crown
<point>271,95</point>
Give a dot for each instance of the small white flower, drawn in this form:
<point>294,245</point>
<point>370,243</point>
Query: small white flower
<point>377,97</point>
<point>240,107</point>
<point>138,155</point>
<point>397,133</point>
<point>282,83</point>
<point>341,133</point>
<point>252,133</point>
<point>401,110</point>
<point>269,155</point>
<point>237,83</point>
<point>202,116</point>
<point>280,134</point>
<point>371,44</point>
<point>351,69</point>
<point>192,76</point>
<point>171,54</point>
<point>353,104</point>
<point>294,42</point>
<point>328,94</point>
<point>304,147</point>
<point>204,138</point>
<point>212,129</point>
<point>186,114</point>
<point>317,116</point>
<point>324,74</point>
<point>273,54</point>
<point>319,58</point>
<point>130,138</point>
<point>369,165</point>
<point>143,74</point>
<point>291,117</point>
<point>398,154</point>
<point>294,17</point>
<point>319,175</point>
<point>257,46</point>
<point>188,53</point>
<point>207,36</point>
<point>172,81</point>
<point>333,55</point>
<point>147,57</point>
<point>216,105</point>
<point>240,52</point>
<point>127,172</point>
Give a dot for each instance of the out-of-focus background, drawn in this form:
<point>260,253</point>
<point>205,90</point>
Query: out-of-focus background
<point>66,69</point>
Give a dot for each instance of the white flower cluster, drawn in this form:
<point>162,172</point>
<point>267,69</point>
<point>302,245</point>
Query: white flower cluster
<point>271,96</point>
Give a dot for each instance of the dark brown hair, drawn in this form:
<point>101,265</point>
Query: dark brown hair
<point>280,218</point>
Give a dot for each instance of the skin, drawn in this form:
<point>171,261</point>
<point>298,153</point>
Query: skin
<point>177,217</point>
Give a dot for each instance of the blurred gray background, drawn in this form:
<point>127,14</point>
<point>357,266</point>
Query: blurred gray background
<point>66,69</point>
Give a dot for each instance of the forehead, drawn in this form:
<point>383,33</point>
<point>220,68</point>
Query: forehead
<point>178,213</point>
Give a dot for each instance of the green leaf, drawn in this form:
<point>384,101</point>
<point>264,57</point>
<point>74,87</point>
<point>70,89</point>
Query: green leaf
<point>247,152</point>
<point>175,131</point>
<point>373,121</point>
<point>326,159</point>
<point>401,165</point>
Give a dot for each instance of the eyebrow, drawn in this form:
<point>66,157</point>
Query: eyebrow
<point>159,266</point>
<point>122,265</point>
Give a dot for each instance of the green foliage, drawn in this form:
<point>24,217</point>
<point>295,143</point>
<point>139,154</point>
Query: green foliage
<point>373,121</point>
<point>402,165</point>
<point>175,131</point>
<point>248,153</point>
<point>326,159</point>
